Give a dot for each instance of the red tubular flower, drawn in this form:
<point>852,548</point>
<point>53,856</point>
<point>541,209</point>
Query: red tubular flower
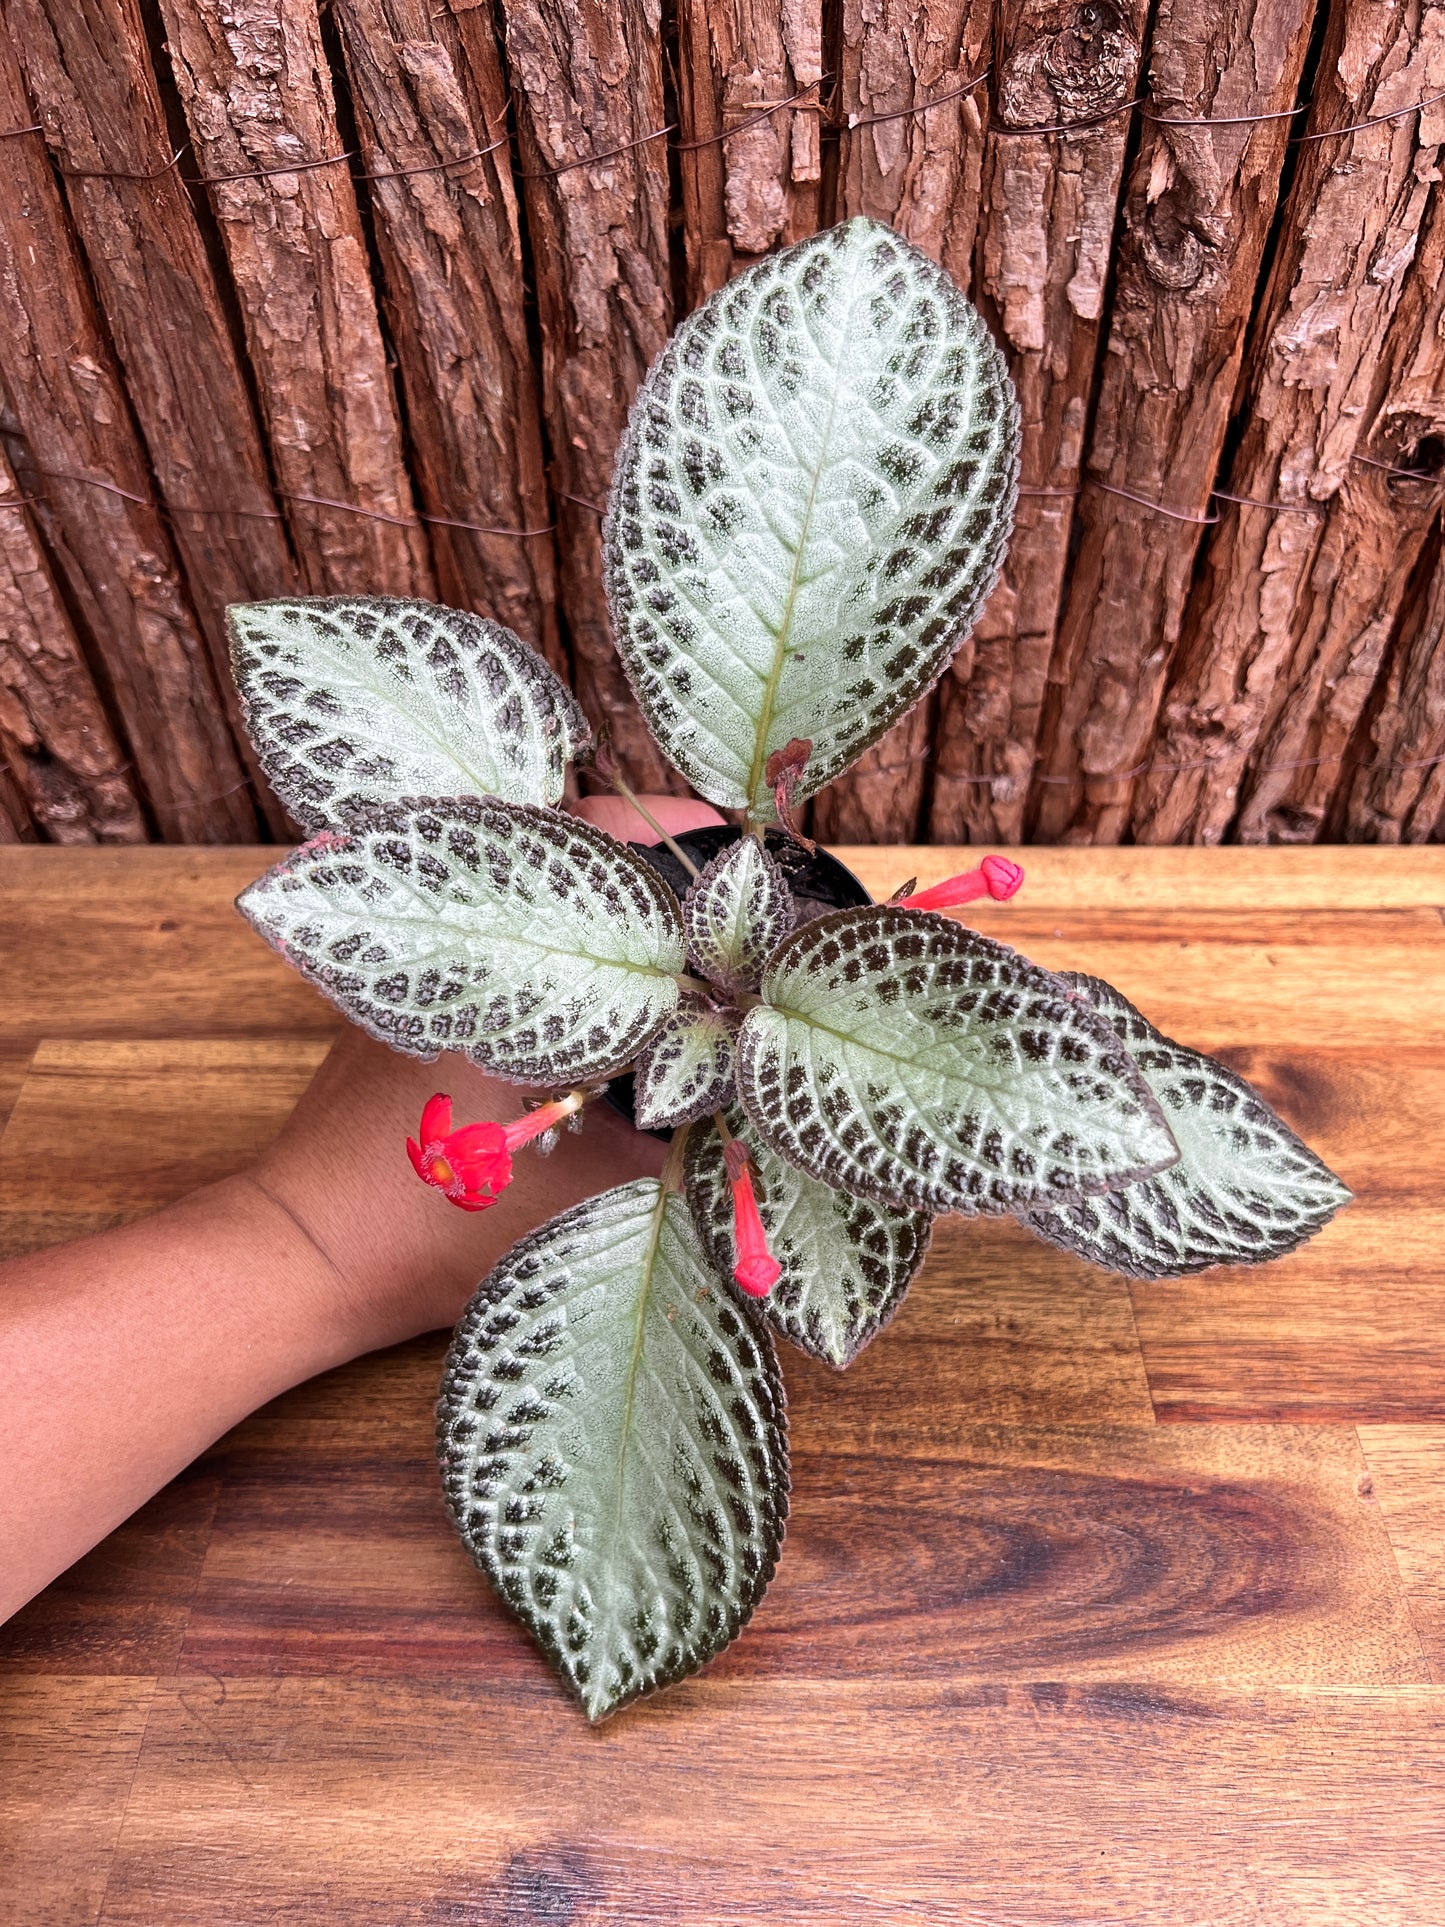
<point>473,1166</point>
<point>756,1270</point>
<point>995,877</point>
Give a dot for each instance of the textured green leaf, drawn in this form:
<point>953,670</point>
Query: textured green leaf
<point>904,1057</point>
<point>736,914</point>
<point>687,1068</point>
<point>539,946</point>
<point>357,700</point>
<point>810,506</point>
<point>1245,1188</point>
<point>847,1262</point>
<point>613,1444</point>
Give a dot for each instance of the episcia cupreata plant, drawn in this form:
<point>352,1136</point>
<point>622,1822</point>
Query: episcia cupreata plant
<point>809,507</point>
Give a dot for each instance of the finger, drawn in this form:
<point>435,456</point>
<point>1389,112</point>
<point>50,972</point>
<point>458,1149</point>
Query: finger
<point>617,816</point>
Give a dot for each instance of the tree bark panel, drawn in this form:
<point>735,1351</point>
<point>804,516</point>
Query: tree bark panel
<point>120,571</point>
<point>257,91</point>
<point>1046,238</point>
<point>588,80</point>
<point>15,824</point>
<point>1351,230</point>
<point>759,186</point>
<point>452,259</point>
<point>1397,795</point>
<point>1196,217</point>
<point>54,731</point>
<point>1373,531</point>
<point>91,76</point>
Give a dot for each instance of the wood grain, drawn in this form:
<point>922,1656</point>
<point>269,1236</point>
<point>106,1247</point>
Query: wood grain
<point>1030,1656</point>
<point>122,1610</point>
<point>1175,1554</point>
<point>178,960</point>
<point>257,92</point>
<point>1407,1469</point>
<point>82,461</point>
<point>1047,1804</point>
<point>179,1113</point>
<point>68,1749</point>
<point>1237,878</point>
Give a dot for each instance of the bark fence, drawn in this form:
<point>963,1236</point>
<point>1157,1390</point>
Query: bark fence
<point>354,297</point>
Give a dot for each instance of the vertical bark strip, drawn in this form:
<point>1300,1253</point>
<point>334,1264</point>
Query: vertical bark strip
<point>90,75</point>
<point>588,80</point>
<point>1049,204</point>
<point>54,733</point>
<point>920,169</point>
<point>452,260</point>
<point>15,824</point>
<point>65,390</point>
<point>759,187</point>
<point>1196,217</point>
<point>1372,533</point>
<point>257,93</point>
<point>1351,232</point>
<point>1398,793</point>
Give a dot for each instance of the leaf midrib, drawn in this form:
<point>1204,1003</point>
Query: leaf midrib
<point>387,699</point>
<point>634,1365</point>
<point>880,1050</point>
<point>780,644</point>
<point>434,914</point>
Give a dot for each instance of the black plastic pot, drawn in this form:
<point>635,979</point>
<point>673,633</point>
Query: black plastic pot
<point>819,883</point>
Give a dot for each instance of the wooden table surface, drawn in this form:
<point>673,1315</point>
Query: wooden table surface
<point>1099,1602</point>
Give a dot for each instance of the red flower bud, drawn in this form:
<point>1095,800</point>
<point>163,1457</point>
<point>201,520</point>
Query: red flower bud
<point>995,877</point>
<point>473,1166</point>
<point>756,1270</point>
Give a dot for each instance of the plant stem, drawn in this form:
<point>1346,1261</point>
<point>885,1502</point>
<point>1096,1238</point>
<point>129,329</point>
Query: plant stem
<point>710,991</point>
<point>672,1169</point>
<point>630,796</point>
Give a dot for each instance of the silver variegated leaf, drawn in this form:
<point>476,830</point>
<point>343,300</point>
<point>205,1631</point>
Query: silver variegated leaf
<point>687,1068</point>
<point>736,914</point>
<point>539,946</point>
<point>847,1261</point>
<point>810,506</point>
<point>904,1057</point>
<point>1245,1188</point>
<point>358,700</point>
<point>613,1445</point>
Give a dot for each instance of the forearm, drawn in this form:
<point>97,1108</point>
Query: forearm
<point>126,1355</point>
<point>129,1353</point>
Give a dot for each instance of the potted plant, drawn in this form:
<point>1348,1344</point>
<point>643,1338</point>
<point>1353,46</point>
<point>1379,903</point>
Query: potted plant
<point>809,508</point>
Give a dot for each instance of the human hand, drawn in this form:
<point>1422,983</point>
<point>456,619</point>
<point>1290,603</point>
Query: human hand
<point>404,1259</point>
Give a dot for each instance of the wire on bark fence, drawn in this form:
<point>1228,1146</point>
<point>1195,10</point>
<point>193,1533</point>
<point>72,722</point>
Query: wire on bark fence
<point>811,98</point>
